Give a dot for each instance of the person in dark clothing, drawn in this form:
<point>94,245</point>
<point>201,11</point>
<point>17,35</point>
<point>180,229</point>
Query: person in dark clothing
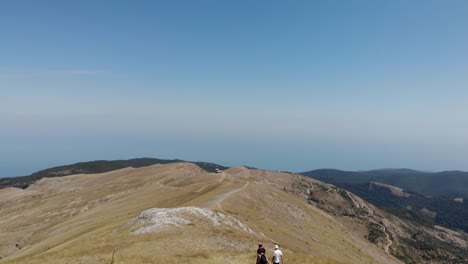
<point>260,251</point>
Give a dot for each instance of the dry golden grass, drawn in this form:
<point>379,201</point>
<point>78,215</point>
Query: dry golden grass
<point>84,219</point>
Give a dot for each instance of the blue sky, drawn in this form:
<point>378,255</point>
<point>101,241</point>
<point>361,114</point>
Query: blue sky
<point>287,85</point>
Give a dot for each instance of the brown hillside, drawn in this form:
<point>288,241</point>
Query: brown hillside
<point>179,213</point>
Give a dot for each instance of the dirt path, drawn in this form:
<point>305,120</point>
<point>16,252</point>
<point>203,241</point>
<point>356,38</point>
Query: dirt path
<point>220,180</point>
<point>162,185</point>
<point>212,203</point>
<point>217,200</point>
<point>389,241</point>
<point>384,229</point>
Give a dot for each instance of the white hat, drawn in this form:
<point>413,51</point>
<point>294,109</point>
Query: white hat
<point>276,247</point>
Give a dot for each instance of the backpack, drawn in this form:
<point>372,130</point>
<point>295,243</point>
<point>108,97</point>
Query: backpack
<point>263,259</point>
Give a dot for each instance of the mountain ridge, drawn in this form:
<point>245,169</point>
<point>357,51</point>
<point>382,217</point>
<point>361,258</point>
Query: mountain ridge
<point>88,216</point>
<point>453,184</point>
<point>96,166</point>
<point>194,216</point>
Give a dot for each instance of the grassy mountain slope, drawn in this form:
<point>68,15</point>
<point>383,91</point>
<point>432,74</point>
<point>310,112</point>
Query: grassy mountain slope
<point>448,183</point>
<point>84,218</point>
<point>179,213</point>
<point>97,166</point>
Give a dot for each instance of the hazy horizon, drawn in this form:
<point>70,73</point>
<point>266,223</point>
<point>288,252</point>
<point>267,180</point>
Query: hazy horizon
<point>294,86</point>
<point>51,165</point>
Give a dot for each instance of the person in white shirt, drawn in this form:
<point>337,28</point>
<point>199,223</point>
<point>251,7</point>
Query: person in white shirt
<point>277,256</point>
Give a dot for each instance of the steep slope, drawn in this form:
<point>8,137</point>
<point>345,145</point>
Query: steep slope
<point>407,240</point>
<point>179,213</point>
<point>447,211</point>
<point>443,211</point>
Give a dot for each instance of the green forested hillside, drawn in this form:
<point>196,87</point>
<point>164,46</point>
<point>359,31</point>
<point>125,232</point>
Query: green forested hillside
<point>437,210</point>
<point>448,183</point>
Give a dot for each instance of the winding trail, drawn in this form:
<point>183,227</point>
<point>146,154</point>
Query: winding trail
<point>219,181</point>
<point>384,229</point>
<point>389,241</point>
<point>162,185</point>
<point>217,200</point>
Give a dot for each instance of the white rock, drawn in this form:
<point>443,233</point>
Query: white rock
<point>160,219</point>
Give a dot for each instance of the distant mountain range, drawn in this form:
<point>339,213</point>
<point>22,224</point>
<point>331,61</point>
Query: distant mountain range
<point>422,197</point>
<point>453,184</point>
<point>97,166</point>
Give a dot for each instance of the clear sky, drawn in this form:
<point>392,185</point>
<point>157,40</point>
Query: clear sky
<point>280,85</point>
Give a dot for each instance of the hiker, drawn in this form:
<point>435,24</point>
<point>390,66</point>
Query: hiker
<point>261,257</point>
<point>277,256</point>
